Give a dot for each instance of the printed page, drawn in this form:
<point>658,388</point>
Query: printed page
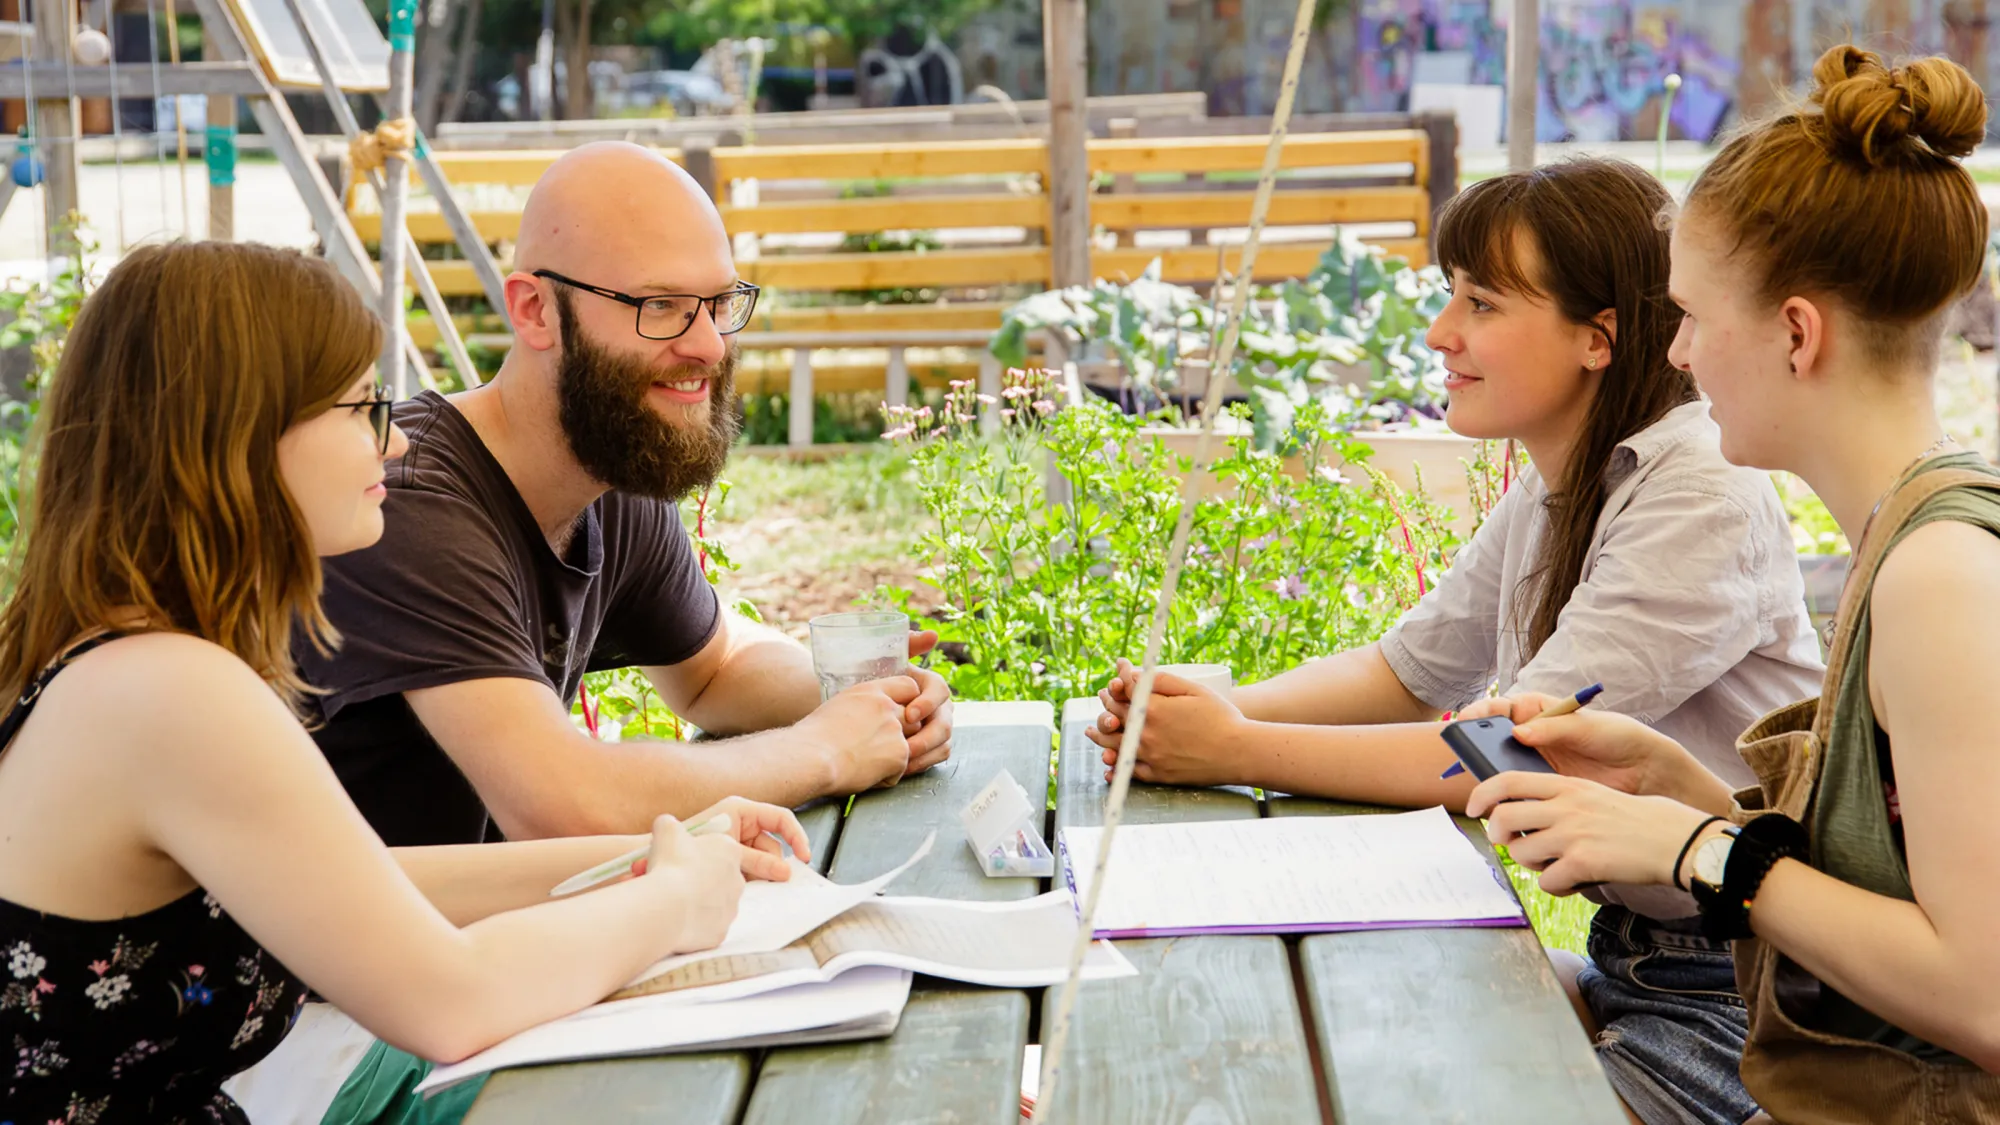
<point>772,916</point>
<point>1289,873</point>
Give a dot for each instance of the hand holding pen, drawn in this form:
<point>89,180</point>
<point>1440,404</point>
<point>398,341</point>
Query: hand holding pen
<point>1511,708</point>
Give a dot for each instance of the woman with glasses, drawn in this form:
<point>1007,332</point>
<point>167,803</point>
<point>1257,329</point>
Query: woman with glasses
<point>180,865</point>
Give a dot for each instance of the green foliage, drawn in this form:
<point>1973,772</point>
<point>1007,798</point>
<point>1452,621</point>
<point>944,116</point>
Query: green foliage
<point>695,24</point>
<point>1043,591</point>
<point>39,316</point>
<point>1814,530</point>
<point>621,703</point>
<point>1348,337</point>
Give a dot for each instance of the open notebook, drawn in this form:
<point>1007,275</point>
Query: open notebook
<point>1021,944</point>
<point>1289,875</point>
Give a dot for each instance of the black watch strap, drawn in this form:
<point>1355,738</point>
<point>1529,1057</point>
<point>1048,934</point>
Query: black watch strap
<point>1725,910</point>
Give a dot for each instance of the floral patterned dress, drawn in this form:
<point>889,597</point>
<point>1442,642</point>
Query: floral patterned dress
<point>138,1019</point>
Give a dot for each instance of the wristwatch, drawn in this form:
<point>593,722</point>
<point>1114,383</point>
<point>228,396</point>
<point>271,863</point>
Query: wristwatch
<point>1711,859</point>
<point>1729,869</point>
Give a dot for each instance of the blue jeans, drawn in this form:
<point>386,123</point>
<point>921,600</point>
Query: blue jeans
<point>1671,1023</point>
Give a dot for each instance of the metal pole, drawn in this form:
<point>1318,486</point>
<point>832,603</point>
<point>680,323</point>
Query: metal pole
<point>1063,29</point>
<point>395,192</point>
<point>343,115</point>
<point>1524,31</point>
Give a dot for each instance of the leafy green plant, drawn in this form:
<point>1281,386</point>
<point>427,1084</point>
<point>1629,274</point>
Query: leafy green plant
<point>1348,337</point>
<point>1814,530</point>
<point>622,703</point>
<point>38,316</point>
<point>1053,531</point>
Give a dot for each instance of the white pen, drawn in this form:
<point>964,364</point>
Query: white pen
<point>614,869</point>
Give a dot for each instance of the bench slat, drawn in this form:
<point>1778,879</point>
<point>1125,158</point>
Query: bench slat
<point>706,1089</point>
<point>1408,1020</point>
<point>1237,154</point>
<point>912,159</point>
<point>889,213</point>
<point>1180,210</point>
<point>886,825</point>
<point>955,1057</point>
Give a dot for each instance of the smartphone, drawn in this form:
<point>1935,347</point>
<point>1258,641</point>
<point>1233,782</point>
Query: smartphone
<point>1488,746</point>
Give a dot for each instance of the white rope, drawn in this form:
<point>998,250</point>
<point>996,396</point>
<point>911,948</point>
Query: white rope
<point>1057,1037</point>
<point>117,120</point>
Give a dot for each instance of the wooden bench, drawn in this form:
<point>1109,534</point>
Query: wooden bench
<point>1354,1029</point>
<point>784,207</point>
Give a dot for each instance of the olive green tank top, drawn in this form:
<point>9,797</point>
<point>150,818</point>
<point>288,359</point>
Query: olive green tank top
<point>1854,837</point>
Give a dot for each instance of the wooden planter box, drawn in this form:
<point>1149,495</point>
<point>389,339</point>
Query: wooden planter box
<point>1443,458</point>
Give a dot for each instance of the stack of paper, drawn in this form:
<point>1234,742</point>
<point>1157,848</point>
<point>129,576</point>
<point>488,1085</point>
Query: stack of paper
<point>1289,875</point>
<point>863,1004</point>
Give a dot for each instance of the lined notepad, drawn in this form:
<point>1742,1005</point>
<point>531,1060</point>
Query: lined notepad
<point>1289,875</point>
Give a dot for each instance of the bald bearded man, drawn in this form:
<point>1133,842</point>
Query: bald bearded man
<point>532,535</point>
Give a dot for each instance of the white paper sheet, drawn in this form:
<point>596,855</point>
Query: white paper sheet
<point>1021,944</point>
<point>1289,874</point>
<point>861,1004</point>
<point>774,915</point>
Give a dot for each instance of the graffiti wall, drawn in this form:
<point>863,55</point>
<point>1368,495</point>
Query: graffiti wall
<point>1604,63</point>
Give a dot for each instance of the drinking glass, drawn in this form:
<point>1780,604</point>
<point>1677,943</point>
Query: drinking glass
<point>853,648</point>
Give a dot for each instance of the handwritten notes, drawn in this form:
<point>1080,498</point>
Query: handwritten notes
<point>1289,875</point>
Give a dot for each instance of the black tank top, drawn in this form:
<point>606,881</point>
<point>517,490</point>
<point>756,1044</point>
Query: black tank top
<point>140,1019</point>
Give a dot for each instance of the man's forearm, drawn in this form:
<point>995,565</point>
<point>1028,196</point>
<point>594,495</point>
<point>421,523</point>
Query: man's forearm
<point>621,787</point>
<point>764,683</point>
<point>1383,764</point>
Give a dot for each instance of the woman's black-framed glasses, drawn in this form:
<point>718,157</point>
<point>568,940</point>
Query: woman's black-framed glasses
<point>668,316</point>
<point>379,407</point>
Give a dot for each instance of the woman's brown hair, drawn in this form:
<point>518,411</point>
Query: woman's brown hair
<point>1595,227</point>
<point>156,502</point>
<point>1856,195</point>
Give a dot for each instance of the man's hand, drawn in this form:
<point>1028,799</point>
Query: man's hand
<point>927,720</point>
<point>1189,730</point>
<point>861,730</point>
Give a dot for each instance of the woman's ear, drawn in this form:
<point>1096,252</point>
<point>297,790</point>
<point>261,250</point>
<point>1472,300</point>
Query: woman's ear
<point>1603,337</point>
<point>1805,326</point>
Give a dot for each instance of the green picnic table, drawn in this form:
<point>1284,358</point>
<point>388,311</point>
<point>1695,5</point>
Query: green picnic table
<point>1434,1025</point>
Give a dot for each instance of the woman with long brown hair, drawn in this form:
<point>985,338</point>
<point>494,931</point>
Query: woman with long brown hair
<point>180,864</point>
<point>1631,554</point>
<point>1816,258</point>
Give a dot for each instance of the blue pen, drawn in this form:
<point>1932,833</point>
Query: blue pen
<point>1573,703</point>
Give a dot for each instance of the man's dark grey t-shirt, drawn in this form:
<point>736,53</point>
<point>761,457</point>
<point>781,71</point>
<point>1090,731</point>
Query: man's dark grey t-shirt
<point>464,586</point>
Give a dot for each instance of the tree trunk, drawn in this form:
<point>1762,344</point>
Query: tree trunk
<point>433,48</point>
<point>462,59</point>
<point>576,86</point>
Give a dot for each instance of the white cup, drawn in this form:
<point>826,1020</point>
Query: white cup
<point>1214,677</point>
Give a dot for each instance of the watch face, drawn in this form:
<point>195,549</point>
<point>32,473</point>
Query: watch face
<point>1711,859</point>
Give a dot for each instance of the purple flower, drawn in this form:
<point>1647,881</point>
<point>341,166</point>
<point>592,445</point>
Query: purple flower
<point>1289,588</point>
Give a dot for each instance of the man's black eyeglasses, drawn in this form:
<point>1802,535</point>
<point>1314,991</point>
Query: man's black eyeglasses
<point>668,316</point>
<point>378,406</point>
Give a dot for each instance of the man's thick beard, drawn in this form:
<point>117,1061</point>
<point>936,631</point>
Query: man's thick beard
<point>624,443</point>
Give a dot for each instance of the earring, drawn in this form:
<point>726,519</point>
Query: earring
<point>1592,365</point>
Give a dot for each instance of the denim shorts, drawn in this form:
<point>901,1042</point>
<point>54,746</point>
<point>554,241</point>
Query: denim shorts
<point>1671,1022</point>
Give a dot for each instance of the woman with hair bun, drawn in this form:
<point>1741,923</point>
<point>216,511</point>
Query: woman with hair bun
<point>1815,259</point>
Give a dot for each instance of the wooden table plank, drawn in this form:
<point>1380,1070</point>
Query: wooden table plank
<point>1209,1032</point>
<point>1210,1029</point>
<point>821,820</point>
<point>886,825</point>
<point>1443,1024</point>
<point>1081,788</point>
<point>955,1057</point>
<point>706,1089</point>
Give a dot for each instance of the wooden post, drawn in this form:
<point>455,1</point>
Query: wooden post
<point>55,124</point>
<point>1441,127</point>
<point>799,432</point>
<point>896,392</point>
<point>1524,31</point>
<point>395,194</point>
<point>219,153</point>
<point>1124,183</point>
<point>1063,24</point>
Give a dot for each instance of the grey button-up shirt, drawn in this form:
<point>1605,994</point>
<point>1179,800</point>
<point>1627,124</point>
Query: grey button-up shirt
<point>1691,610</point>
